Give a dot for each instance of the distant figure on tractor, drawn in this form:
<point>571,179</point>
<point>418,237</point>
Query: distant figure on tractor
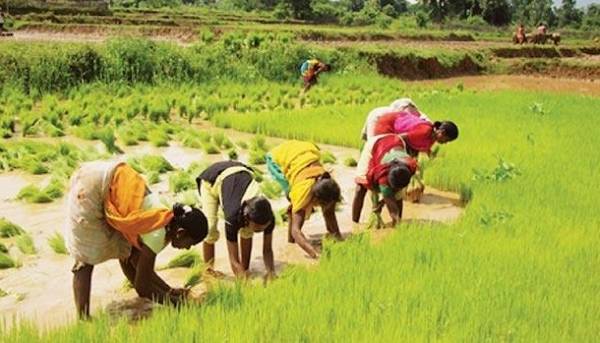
<point>310,70</point>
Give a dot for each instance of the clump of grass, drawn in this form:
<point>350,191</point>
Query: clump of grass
<point>195,275</point>
<point>153,178</point>
<point>107,136</point>
<point>257,157</point>
<point>271,189</point>
<point>328,158</point>
<point>25,244</point>
<point>158,138</point>
<point>466,193</point>
<point>3,293</point>
<point>350,162</point>
<point>186,259</point>
<point>150,163</point>
<point>3,248</point>
<point>6,261</point>
<point>181,181</point>
<point>33,194</point>
<point>57,243</point>
<point>210,148</point>
<point>9,229</point>
<point>222,141</point>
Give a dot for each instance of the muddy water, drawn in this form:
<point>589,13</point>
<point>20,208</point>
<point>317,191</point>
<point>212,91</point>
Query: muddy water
<point>518,82</point>
<point>43,284</point>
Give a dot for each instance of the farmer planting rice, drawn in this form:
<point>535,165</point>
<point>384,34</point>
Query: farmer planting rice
<point>399,105</point>
<point>418,133</point>
<point>113,214</point>
<point>384,168</point>
<point>231,185</point>
<point>310,70</point>
<point>296,166</point>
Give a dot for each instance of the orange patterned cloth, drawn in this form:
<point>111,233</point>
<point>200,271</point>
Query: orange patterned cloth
<point>123,206</point>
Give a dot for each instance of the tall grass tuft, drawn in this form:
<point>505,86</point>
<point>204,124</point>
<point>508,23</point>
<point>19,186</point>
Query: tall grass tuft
<point>25,244</point>
<point>57,243</point>
<point>9,229</point>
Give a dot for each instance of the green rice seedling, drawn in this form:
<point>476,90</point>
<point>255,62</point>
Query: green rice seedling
<point>6,261</point>
<point>3,293</point>
<point>259,143</point>
<point>466,193</point>
<point>180,181</point>
<point>126,286</point>
<point>158,138</point>
<point>155,163</point>
<point>32,165</point>
<point>9,229</point>
<point>20,296</point>
<point>57,243</point>
<point>328,158</point>
<point>25,243</point>
<point>271,189</point>
<point>195,168</point>
<point>55,189</point>
<point>33,194</point>
<point>257,157</point>
<point>219,138</point>
<point>232,154</point>
<point>153,178</point>
<point>186,259</point>
<point>210,148</point>
<point>194,276</point>
<point>350,162</point>
<point>3,248</point>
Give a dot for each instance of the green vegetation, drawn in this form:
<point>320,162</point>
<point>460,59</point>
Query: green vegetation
<point>6,261</point>
<point>25,244</point>
<point>194,276</point>
<point>186,259</point>
<point>9,229</point>
<point>181,181</point>
<point>3,248</point>
<point>271,189</point>
<point>350,162</point>
<point>328,158</point>
<point>57,243</point>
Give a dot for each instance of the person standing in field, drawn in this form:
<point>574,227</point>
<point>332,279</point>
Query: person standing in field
<point>399,105</point>
<point>310,70</point>
<point>384,168</point>
<point>112,214</point>
<point>231,185</point>
<point>296,166</point>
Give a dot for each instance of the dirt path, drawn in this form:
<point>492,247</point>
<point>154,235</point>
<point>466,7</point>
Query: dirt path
<point>43,284</point>
<point>518,82</point>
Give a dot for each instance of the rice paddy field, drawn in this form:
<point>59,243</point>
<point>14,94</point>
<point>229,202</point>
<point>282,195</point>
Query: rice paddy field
<point>521,263</point>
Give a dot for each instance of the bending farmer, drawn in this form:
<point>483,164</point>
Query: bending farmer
<point>112,214</point>
<point>231,184</point>
<point>310,70</point>
<point>399,105</point>
<point>384,167</point>
<point>296,166</point>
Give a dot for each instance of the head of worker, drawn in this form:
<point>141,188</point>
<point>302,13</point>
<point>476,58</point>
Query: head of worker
<point>326,192</point>
<point>399,175</point>
<point>187,228</point>
<point>444,131</point>
<point>326,67</point>
<point>258,214</point>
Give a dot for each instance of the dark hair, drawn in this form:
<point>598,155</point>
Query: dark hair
<point>449,129</point>
<point>326,190</point>
<point>193,222</point>
<point>258,210</point>
<point>399,175</point>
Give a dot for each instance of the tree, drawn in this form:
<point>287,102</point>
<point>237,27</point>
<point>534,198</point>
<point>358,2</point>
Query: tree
<point>496,12</point>
<point>541,11</point>
<point>568,14</point>
<point>301,9</point>
<point>591,19</point>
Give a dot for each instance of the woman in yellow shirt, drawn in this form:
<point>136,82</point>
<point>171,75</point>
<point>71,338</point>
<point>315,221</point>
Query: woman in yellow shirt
<point>296,166</point>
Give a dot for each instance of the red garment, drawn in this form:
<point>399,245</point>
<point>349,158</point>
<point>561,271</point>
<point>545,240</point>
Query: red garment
<point>385,123</point>
<point>377,174</point>
<point>420,137</point>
